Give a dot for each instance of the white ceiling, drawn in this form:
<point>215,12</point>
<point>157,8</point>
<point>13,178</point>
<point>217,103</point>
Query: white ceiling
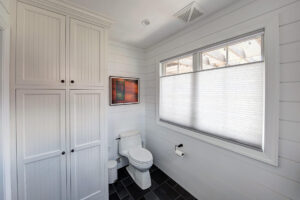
<point>128,14</point>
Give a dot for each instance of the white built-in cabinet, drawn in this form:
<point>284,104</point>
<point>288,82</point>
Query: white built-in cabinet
<point>86,54</point>
<point>41,50</point>
<point>43,150</point>
<point>86,139</point>
<point>41,144</point>
<point>60,100</point>
<point>41,47</point>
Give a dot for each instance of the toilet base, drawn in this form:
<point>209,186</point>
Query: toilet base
<point>141,178</point>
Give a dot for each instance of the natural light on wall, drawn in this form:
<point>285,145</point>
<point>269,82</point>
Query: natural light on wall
<point>218,91</point>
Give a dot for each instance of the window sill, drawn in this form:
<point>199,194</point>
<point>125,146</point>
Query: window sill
<point>236,148</point>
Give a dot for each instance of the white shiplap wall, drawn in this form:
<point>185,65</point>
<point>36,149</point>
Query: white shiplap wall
<point>128,61</point>
<point>207,171</point>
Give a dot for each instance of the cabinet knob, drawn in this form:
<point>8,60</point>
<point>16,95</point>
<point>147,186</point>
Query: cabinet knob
<point>72,151</point>
<point>62,81</point>
<point>72,81</point>
<point>63,153</point>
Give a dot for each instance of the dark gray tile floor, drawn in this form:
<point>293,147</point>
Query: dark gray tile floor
<point>163,188</point>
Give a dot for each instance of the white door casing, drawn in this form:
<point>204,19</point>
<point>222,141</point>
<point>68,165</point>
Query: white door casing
<point>40,56</point>
<point>87,141</point>
<point>41,143</point>
<point>86,54</point>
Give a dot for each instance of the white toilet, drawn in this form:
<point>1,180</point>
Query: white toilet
<point>140,159</point>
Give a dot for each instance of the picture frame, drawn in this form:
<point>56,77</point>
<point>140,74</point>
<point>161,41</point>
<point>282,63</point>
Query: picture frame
<point>124,90</point>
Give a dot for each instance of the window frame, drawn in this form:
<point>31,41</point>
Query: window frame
<point>198,53</point>
<point>270,49</point>
<point>163,67</point>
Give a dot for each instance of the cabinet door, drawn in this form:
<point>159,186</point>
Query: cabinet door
<point>41,162</point>
<point>86,54</point>
<point>88,172</point>
<point>40,58</point>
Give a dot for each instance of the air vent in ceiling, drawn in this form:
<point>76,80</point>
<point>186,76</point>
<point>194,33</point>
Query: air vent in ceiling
<point>189,12</point>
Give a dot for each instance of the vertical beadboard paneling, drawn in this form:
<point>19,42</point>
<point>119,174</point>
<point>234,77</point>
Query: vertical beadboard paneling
<point>41,46</point>
<point>210,172</point>
<point>86,116</point>
<point>41,140</point>
<point>41,108</point>
<point>87,165</point>
<point>87,126</point>
<point>86,46</point>
<point>43,180</point>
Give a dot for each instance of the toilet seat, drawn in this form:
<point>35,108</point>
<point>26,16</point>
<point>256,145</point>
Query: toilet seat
<point>140,157</point>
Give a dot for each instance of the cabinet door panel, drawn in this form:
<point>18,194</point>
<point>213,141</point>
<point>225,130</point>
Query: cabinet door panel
<point>86,54</point>
<point>40,143</point>
<point>40,58</point>
<point>87,162</point>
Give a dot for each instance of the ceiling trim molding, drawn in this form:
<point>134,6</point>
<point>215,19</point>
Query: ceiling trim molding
<point>73,10</point>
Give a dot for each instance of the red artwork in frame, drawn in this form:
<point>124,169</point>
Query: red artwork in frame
<point>124,90</point>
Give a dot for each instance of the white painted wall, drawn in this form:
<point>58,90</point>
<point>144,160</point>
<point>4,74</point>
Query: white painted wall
<point>1,125</point>
<point>5,4</point>
<point>207,171</point>
<point>5,186</point>
<point>127,61</point>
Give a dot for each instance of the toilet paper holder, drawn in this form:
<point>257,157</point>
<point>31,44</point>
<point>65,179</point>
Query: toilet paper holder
<point>178,146</point>
<point>178,152</point>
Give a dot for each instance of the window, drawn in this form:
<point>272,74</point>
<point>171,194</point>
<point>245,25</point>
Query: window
<point>178,66</point>
<point>244,51</point>
<point>247,51</point>
<point>215,58</point>
<point>221,96</point>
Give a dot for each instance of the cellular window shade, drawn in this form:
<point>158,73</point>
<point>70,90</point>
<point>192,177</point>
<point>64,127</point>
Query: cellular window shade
<point>226,103</point>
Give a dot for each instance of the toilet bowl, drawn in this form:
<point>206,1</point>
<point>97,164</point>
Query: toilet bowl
<point>140,159</point>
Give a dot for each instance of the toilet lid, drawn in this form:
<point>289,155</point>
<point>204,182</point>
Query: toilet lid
<point>140,155</point>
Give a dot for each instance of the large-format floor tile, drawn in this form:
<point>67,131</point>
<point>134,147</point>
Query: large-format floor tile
<point>162,188</point>
<point>128,197</point>
<point>111,189</point>
<point>122,173</point>
<point>171,182</point>
<point>120,189</point>
<point>183,192</point>
<point>154,185</point>
<point>114,196</point>
<point>159,177</point>
<point>127,181</point>
<point>166,192</point>
<point>136,192</point>
<point>150,196</point>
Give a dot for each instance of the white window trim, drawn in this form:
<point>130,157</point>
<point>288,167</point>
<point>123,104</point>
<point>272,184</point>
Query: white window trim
<point>271,56</point>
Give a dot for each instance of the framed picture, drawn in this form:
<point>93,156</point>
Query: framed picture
<point>124,90</point>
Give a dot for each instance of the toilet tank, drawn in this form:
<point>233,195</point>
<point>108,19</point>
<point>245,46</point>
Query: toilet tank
<point>128,140</point>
